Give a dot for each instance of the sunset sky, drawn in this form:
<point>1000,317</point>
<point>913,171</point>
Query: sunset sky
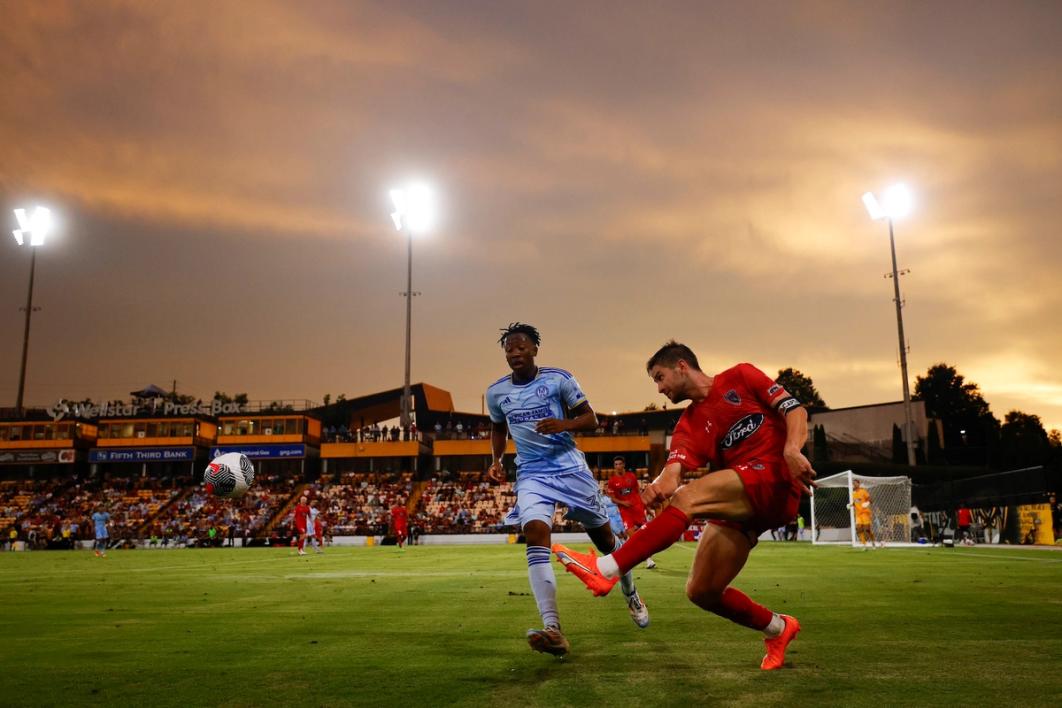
<point>615,173</point>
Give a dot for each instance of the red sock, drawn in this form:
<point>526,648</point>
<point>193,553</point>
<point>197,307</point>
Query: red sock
<point>302,542</point>
<point>658,534</point>
<point>738,607</point>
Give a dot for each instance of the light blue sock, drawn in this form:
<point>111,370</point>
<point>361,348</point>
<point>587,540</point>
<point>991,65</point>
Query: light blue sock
<point>543,584</point>
<point>626,580</point>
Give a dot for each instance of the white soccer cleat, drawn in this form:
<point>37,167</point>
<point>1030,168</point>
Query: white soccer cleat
<point>639,612</point>
<point>302,552</point>
<point>650,564</point>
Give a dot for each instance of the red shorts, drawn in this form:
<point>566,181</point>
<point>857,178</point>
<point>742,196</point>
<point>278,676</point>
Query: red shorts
<point>300,528</point>
<point>401,530</point>
<point>773,494</point>
<point>632,518</point>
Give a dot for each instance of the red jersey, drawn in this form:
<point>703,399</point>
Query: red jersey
<point>399,515</point>
<point>625,488</point>
<point>301,512</point>
<point>965,517</point>
<point>736,423</point>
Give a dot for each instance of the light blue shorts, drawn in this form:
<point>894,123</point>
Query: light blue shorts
<point>537,499</point>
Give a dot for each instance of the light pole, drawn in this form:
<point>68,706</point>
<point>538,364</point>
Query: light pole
<point>414,214</point>
<point>37,227</point>
<point>895,204</point>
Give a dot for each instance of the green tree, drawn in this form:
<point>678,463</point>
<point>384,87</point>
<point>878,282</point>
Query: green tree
<point>958,403</point>
<point>801,387</point>
<point>822,450</point>
<point>934,456</point>
<point>899,449</point>
<point>1023,440</point>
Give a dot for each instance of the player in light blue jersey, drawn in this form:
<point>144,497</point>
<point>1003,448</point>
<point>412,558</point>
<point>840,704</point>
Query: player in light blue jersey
<point>100,520</point>
<point>538,407</point>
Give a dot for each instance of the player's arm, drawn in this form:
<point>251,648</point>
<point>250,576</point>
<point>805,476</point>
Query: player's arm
<point>583,418</point>
<point>663,486</point>
<point>796,434</point>
<point>499,433</point>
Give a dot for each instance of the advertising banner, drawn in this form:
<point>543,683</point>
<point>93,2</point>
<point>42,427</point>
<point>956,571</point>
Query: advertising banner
<point>146,454</point>
<point>36,457</point>
<point>262,452</point>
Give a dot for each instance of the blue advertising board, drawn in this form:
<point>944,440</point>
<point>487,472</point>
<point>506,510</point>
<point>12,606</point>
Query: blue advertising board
<point>143,454</point>
<point>263,452</point>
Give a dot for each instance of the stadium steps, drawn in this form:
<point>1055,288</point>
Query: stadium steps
<point>415,495</point>
<point>283,511</point>
<point>143,528</point>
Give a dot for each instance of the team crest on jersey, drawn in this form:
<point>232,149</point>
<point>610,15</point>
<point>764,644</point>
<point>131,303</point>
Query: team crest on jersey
<point>708,426</point>
<point>732,396</point>
<point>741,430</point>
<point>542,391</point>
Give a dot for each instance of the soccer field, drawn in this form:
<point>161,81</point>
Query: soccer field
<point>445,626</point>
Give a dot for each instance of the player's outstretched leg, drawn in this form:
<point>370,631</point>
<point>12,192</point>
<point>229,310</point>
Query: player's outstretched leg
<point>776,646</point>
<point>607,542</point>
<point>584,567</point>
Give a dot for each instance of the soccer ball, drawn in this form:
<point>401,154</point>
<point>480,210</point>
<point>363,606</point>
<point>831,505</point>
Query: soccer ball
<point>229,475</point>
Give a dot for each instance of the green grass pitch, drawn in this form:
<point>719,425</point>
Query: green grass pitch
<point>445,626</point>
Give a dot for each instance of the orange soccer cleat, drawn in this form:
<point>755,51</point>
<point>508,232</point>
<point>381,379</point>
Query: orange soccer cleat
<point>584,567</point>
<point>776,646</point>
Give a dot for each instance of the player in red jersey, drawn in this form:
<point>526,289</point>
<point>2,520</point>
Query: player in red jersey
<point>318,532</point>
<point>622,488</point>
<point>400,522</point>
<point>302,513</point>
<point>750,430</point>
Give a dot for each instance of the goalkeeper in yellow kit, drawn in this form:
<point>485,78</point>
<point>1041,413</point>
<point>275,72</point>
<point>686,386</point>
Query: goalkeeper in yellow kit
<point>864,516</point>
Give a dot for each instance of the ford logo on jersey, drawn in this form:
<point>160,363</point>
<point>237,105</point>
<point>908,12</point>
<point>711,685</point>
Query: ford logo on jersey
<point>741,430</point>
<point>529,414</point>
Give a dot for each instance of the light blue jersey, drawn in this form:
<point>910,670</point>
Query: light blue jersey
<point>521,406</point>
<point>550,469</point>
<point>100,518</point>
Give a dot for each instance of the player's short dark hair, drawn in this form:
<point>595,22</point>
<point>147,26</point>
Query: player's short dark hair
<point>671,354</point>
<point>619,458</point>
<point>520,328</point>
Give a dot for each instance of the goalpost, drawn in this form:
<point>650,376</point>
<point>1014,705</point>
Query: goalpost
<point>833,518</point>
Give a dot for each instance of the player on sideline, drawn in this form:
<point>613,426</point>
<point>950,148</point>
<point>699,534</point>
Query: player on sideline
<point>863,514</point>
<point>302,513</point>
<point>400,523</point>
<point>100,519</point>
<point>622,488</point>
<point>751,431</point>
<point>531,404</point>
<point>312,524</point>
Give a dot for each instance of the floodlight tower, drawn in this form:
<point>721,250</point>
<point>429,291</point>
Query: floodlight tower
<point>896,203</point>
<point>37,226</point>
<point>414,214</point>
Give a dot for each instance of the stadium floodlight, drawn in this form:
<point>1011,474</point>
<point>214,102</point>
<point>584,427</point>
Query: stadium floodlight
<point>896,203</point>
<point>415,209</point>
<point>37,226</point>
<point>414,213</point>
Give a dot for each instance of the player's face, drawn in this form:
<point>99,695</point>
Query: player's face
<point>618,466</point>
<point>672,382</point>
<point>520,352</point>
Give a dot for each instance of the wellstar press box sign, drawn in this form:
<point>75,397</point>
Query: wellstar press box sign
<point>64,409</point>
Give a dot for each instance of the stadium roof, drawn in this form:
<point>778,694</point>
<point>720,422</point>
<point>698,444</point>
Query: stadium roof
<point>428,402</point>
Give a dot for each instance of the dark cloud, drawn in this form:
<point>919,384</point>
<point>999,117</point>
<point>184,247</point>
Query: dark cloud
<point>616,174</point>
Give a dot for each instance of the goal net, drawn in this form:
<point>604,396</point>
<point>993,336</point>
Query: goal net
<point>833,518</point>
